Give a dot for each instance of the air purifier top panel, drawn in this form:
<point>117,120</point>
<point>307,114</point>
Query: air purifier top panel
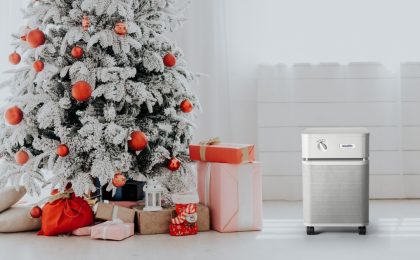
<point>335,143</point>
<point>336,130</point>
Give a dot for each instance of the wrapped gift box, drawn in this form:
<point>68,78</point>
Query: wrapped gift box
<point>157,222</point>
<point>233,193</point>
<point>112,230</point>
<point>223,153</point>
<point>203,221</point>
<point>84,231</point>
<point>105,211</point>
<point>153,222</point>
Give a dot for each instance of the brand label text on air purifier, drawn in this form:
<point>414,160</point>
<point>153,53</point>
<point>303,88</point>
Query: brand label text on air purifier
<point>347,146</point>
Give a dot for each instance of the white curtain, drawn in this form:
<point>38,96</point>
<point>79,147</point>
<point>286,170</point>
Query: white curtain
<point>203,39</point>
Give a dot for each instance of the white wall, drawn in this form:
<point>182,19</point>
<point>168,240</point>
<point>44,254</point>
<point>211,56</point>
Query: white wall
<point>10,22</point>
<point>292,31</point>
<point>362,94</point>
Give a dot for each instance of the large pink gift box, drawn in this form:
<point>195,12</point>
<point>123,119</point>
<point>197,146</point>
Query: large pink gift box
<point>233,193</point>
<point>112,230</point>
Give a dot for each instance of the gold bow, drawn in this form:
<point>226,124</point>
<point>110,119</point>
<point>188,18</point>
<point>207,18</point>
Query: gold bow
<point>62,195</point>
<point>204,144</point>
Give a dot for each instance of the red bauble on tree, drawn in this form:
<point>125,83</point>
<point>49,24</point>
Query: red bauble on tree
<point>23,37</point>
<point>119,180</point>
<point>138,141</point>
<point>36,212</point>
<point>81,91</point>
<point>174,164</point>
<point>38,66</point>
<point>62,150</point>
<point>120,28</point>
<point>186,106</point>
<point>13,115</point>
<point>35,38</point>
<point>77,52</point>
<point>169,60</point>
<point>14,58</point>
<point>21,157</point>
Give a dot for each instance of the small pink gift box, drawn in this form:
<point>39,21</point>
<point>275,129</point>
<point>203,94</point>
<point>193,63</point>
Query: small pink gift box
<point>233,193</point>
<point>112,230</point>
<point>84,231</point>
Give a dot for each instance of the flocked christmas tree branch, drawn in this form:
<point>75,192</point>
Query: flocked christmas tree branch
<point>99,91</point>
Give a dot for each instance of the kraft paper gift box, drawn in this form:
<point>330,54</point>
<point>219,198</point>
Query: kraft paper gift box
<point>153,222</point>
<point>157,222</point>
<point>112,230</point>
<point>233,193</point>
<point>223,153</point>
<point>106,211</point>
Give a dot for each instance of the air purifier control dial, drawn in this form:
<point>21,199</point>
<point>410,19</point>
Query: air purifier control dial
<point>322,146</point>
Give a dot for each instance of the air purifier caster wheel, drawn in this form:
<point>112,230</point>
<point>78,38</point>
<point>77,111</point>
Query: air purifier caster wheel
<point>310,231</point>
<point>362,230</point>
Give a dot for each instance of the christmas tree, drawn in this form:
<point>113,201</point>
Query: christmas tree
<point>101,94</point>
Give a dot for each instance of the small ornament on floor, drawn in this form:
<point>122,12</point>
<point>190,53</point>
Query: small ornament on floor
<point>36,212</point>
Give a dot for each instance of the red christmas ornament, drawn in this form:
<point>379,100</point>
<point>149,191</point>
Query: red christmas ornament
<point>13,115</point>
<point>35,38</point>
<point>186,106</point>
<point>15,58</point>
<point>21,157</point>
<point>62,150</point>
<point>23,37</point>
<point>77,52</point>
<point>36,212</point>
<point>81,91</point>
<point>174,164</point>
<point>120,28</point>
<point>85,22</point>
<point>169,60</point>
<point>119,180</point>
<point>38,66</point>
<point>138,141</point>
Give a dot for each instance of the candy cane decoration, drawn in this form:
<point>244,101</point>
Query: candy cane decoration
<point>190,209</point>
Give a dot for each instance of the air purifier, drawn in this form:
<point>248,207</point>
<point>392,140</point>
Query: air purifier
<point>335,171</point>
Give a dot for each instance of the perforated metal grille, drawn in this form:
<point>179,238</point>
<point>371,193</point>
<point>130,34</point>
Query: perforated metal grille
<point>336,193</point>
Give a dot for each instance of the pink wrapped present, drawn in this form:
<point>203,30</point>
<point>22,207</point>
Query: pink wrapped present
<point>233,193</point>
<point>84,231</point>
<point>112,230</point>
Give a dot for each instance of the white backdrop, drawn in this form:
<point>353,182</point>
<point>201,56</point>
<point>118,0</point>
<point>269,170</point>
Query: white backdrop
<point>228,39</point>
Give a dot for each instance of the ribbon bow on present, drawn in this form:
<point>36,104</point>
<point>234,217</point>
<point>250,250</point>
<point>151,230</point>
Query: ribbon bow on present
<point>204,144</point>
<point>189,210</point>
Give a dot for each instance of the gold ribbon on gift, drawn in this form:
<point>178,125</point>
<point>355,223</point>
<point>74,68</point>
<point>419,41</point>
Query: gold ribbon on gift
<point>245,155</point>
<point>204,144</point>
<point>62,195</point>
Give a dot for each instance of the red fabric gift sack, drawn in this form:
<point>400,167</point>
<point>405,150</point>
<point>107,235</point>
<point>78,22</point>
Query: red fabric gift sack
<point>65,215</point>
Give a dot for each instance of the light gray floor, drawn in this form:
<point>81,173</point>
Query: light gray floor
<point>394,233</point>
